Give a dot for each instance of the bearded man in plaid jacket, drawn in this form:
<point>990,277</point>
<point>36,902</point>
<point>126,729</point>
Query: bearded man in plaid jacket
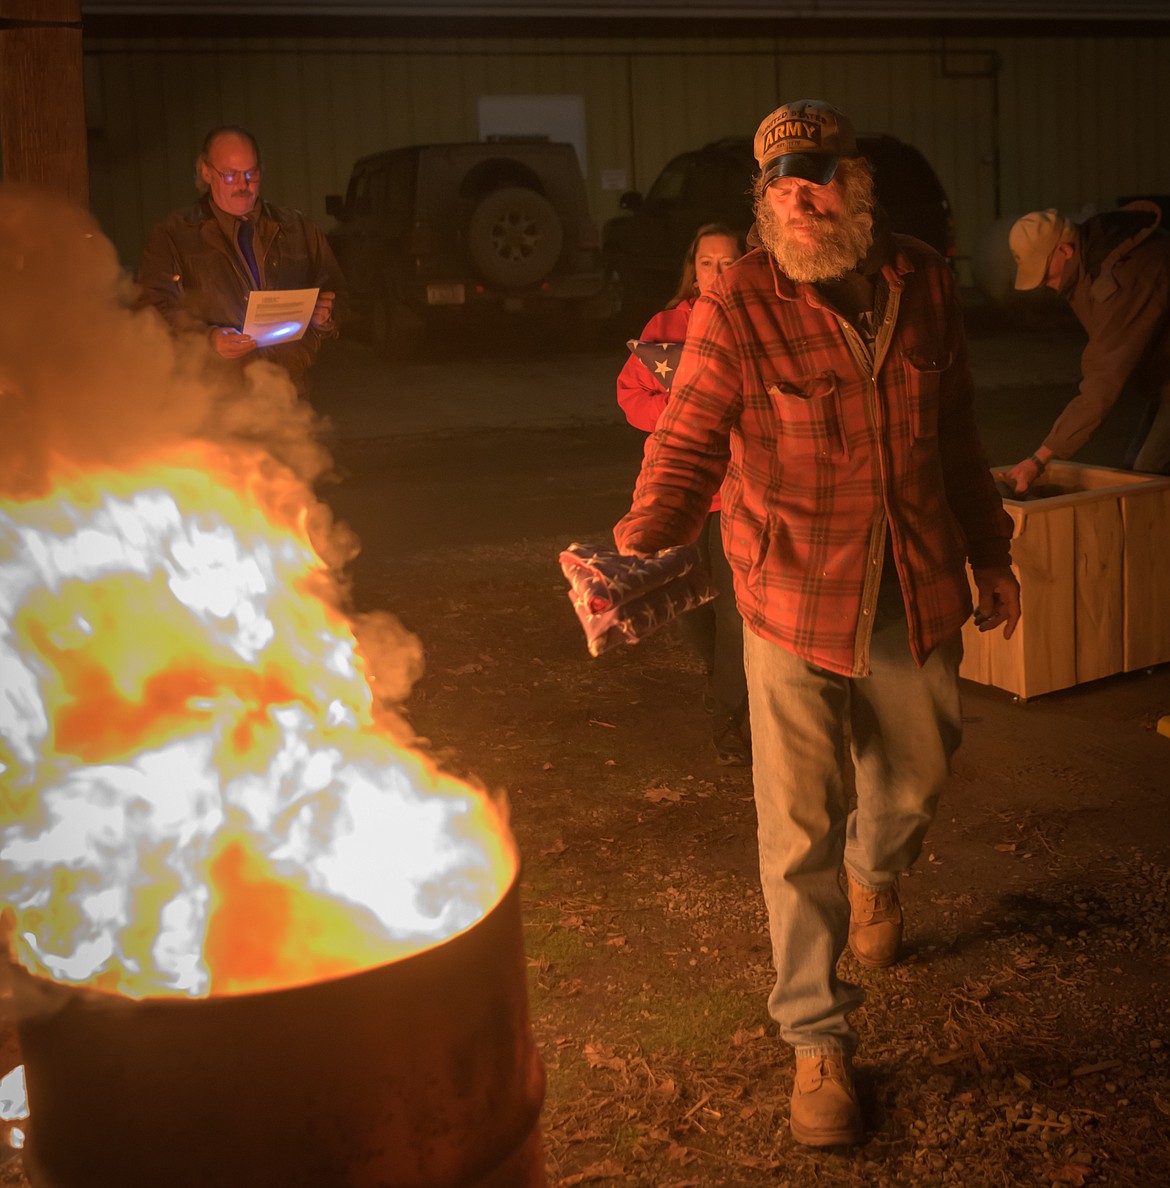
<point>824,387</point>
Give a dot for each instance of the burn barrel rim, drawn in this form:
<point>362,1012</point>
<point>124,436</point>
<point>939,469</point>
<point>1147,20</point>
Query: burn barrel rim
<point>419,1073</point>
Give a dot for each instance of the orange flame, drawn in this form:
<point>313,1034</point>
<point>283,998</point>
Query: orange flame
<point>13,1106</point>
<point>198,791</point>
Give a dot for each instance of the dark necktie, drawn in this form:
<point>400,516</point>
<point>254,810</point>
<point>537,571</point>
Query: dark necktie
<point>244,234</point>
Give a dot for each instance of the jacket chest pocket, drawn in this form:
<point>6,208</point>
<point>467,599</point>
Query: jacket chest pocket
<point>285,259</point>
<point>924,373</point>
<point>808,416</point>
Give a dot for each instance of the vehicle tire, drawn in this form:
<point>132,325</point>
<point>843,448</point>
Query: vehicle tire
<point>395,332</point>
<point>514,237</point>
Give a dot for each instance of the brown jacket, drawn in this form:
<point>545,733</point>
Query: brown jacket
<point>1118,285</point>
<point>195,277</point>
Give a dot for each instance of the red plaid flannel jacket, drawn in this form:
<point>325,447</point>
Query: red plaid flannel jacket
<point>822,449</point>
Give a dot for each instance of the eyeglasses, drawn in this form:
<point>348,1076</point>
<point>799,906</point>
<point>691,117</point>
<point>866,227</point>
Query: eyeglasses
<point>231,176</point>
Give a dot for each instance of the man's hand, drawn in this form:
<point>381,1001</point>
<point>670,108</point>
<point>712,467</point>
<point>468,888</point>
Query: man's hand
<point>231,344</point>
<point>323,310</point>
<point>1024,474</point>
<point>999,600</point>
<point>634,545</point>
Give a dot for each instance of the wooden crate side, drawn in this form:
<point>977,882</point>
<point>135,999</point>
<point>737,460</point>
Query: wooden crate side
<point>1085,484</point>
<point>1094,576</point>
<point>1093,478</point>
<point>982,661</point>
<point>1045,554</point>
<point>1099,585</point>
<point>1041,656</point>
<point>1146,577</point>
<point>976,663</point>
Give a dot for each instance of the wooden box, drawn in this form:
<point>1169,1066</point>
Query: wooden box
<point>1094,570</point>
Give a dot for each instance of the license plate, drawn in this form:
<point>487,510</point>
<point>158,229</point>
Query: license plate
<point>445,295</point>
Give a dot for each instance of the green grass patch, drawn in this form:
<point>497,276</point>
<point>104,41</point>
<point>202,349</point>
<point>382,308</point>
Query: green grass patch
<point>702,1022</point>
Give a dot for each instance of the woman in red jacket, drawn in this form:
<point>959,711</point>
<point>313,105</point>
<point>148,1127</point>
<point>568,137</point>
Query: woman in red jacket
<point>715,630</point>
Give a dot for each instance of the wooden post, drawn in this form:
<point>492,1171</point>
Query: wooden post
<point>42,96</point>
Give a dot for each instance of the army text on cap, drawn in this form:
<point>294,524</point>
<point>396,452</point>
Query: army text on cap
<point>797,130</point>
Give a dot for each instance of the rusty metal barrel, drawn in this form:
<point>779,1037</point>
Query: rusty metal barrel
<point>422,1073</point>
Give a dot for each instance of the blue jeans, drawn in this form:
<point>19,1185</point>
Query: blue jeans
<point>901,724</point>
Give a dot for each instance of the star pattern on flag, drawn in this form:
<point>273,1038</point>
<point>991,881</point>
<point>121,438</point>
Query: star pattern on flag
<point>621,598</point>
<point>659,358</point>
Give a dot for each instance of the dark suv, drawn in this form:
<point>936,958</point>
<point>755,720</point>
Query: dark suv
<point>645,246</point>
<point>438,232</point>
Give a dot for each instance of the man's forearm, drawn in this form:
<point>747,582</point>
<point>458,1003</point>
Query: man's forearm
<point>671,499</point>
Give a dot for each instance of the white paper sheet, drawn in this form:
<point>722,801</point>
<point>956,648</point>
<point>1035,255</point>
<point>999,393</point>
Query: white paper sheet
<point>278,315</point>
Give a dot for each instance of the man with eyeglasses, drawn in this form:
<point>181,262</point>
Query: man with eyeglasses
<point>200,264</point>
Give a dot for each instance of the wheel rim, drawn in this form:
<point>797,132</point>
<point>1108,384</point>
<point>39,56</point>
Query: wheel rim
<point>515,236</point>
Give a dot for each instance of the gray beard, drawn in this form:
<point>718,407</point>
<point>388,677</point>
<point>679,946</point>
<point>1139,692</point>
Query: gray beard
<point>842,243</point>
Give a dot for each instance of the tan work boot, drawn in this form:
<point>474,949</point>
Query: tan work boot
<point>875,923</point>
<point>824,1110</point>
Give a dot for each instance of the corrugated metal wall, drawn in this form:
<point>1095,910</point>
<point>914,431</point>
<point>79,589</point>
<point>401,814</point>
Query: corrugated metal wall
<point>1009,123</point>
<point>1083,122</point>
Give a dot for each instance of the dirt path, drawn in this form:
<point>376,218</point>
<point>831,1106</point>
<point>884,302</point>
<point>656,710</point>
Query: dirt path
<point>1023,1040</point>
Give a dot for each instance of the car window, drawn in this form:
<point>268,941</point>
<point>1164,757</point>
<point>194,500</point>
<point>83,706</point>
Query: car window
<point>358,198</point>
<point>718,187</point>
<point>671,184</point>
<point>709,182</point>
<point>901,170</point>
<point>377,192</point>
<point>385,191</point>
<point>398,196</point>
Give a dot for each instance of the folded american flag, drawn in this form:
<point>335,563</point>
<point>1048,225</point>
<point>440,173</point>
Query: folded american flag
<point>622,598</point>
<point>659,358</point>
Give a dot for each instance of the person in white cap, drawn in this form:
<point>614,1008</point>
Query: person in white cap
<point>824,389</point>
<point>1114,271</point>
